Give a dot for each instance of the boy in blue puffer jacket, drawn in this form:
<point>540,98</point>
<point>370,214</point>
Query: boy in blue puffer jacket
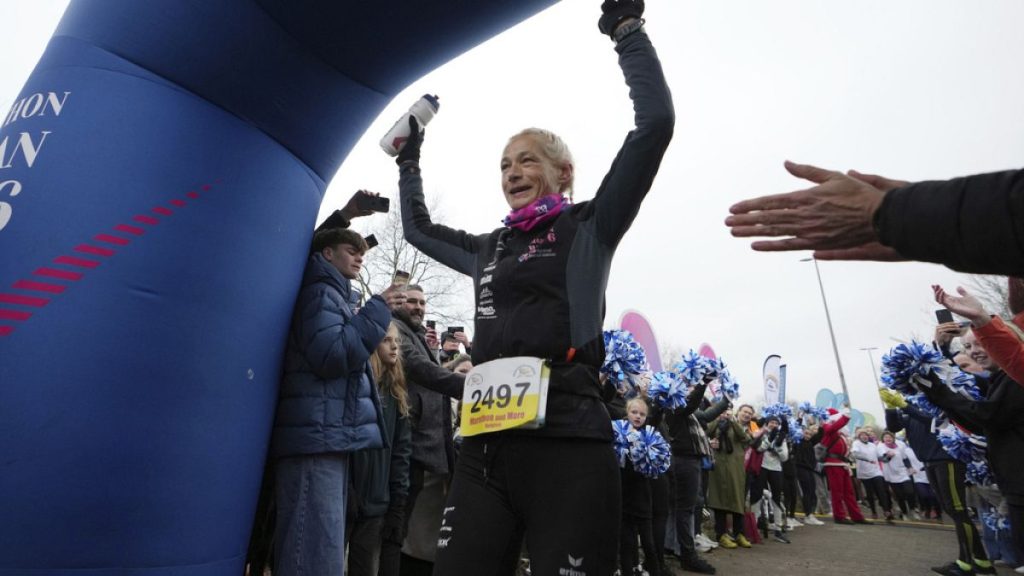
<point>328,406</point>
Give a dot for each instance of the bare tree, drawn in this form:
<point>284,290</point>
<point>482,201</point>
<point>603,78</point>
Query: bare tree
<point>993,293</point>
<point>448,292</point>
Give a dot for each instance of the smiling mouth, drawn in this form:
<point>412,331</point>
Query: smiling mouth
<point>518,190</point>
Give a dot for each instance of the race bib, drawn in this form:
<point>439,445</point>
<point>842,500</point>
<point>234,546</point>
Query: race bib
<point>504,394</point>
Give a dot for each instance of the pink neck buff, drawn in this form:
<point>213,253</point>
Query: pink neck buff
<point>890,444</point>
<point>537,212</point>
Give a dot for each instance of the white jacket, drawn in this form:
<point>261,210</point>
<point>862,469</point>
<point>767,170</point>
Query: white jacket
<point>894,470</point>
<point>866,456</point>
<point>774,455</point>
<point>920,474</point>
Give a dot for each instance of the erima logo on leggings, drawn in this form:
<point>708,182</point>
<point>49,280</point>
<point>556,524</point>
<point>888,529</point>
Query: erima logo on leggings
<point>574,563</point>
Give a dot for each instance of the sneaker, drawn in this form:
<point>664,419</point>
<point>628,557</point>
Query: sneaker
<point>863,521</point>
<point>726,541</point>
<point>1019,569</point>
<point>794,523</point>
<point>778,536</point>
<point>844,521</point>
<point>701,538</point>
<point>697,564</point>
<point>812,520</point>
<point>990,569</point>
<point>773,527</point>
<point>917,515</point>
<point>742,541</point>
<point>951,569</point>
<point>701,547</point>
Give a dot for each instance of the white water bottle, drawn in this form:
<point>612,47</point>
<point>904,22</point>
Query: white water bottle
<point>423,109</point>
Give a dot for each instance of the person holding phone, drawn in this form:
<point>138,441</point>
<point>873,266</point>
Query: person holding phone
<point>539,283</point>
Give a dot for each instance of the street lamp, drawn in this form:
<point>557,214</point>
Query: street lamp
<point>828,318</point>
<point>872,359</point>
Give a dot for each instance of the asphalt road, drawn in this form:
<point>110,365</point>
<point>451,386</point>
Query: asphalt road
<point>839,550</point>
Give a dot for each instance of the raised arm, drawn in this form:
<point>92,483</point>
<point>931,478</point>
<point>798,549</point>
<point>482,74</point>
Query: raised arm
<point>455,249</point>
<point>632,172</point>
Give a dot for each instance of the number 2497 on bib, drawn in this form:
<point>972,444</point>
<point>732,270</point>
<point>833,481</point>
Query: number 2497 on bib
<point>505,393</point>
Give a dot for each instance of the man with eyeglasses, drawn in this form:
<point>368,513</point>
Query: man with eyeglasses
<point>430,385</point>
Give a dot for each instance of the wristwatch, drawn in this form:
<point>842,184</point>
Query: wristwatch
<point>627,29</point>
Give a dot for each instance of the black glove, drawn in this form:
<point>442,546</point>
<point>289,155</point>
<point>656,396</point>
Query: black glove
<point>784,426</point>
<point>615,11</point>
<point>394,527</point>
<point>411,151</point>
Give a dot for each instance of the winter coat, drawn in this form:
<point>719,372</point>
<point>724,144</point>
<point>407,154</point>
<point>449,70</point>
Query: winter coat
<point>971,224</point>
<point>685,433</point>
<point>776,451</point>
<point>430,410</point>
<point>327,401</point>
<point>999,418</point>
<point>727,480</point>
<point>379,477</point>
<point>920,436</point>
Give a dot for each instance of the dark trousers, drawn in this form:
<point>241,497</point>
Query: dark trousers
<point>364,546</point>
<point>947,480</point>
<point>632,527</point>
<point>660,504</point>
<point>391,551</point>
<point>720,520</point>
<point>564,495</point>
<point>789,489</point>
<point>877,491</point>
<point>687,472</point>
<point>904,492</point>
<point>1016,517</point>
<point>808,490</point>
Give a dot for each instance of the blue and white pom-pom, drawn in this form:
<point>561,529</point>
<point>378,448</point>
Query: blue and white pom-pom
<point>979,474</point>
<point>994,521</point>
<point>908,364</point>
<point>651,454</point>
<point>820,414</point>
<point>728,387</point>
<point>621,440</point>
<point>962,446</point>
<point>963,383</point>
<point>922,403</point>
<point>693,367</point>
<point>624,361</point>
<point>668,391</point>
<point>796,431</point>
<point>778,410</point>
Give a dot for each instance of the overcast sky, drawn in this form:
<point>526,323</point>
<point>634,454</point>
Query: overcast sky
<point>918,89</point>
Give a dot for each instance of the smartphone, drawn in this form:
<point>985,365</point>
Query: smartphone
<point>454,329</point>
<point>371,241</point>
<point>432,324</point>
<point>401,278</point>
<point>943,315</point>
<point>366,201</point>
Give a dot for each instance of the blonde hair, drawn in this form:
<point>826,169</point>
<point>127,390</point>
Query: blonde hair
<point>391,379</point>
<point>554,149</point>
<point>638,400</point>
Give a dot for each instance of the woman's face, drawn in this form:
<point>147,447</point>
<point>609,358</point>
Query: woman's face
<point>526,173</point>
<point>888,438</point>
<point>863,437</point>
<point>387,350</point>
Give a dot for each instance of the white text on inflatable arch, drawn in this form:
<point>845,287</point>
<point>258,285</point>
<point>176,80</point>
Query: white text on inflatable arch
<point>23,148</point>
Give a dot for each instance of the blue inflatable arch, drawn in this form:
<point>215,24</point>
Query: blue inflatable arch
<point>160,174</point>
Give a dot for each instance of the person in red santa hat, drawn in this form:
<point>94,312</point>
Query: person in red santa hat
<point>837,470</point>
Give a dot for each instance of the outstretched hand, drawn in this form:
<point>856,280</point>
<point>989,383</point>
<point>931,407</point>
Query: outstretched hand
<point>352,210</point>
<point>617,12</point>
<point>966,305</point>
<point>834,217</point>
